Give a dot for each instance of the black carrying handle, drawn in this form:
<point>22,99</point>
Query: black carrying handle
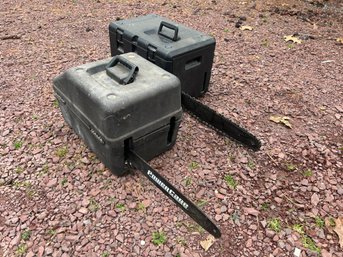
<point>132,67</point>
<point>170,26</point>
<point>175,195</point>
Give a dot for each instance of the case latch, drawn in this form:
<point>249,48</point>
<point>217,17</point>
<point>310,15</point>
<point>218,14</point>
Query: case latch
<point>120,36</point>
<point>151,53</point>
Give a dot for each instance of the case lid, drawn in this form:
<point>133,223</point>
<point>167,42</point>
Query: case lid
<point>120,95</point>
<point>171,39</point>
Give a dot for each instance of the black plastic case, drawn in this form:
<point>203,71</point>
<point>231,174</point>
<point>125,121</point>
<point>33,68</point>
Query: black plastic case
<point>116,102</point>
<point>185,52</point>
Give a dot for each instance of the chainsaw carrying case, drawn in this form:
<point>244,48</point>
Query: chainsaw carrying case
<point>120,103</point>
<point>185,52</point>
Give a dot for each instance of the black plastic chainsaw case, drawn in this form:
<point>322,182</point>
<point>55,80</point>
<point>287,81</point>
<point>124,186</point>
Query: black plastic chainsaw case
<point>185,52</point>
<point>121,102</point>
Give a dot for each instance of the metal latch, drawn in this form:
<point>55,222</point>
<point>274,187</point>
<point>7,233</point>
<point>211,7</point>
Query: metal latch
<point>151,53</point>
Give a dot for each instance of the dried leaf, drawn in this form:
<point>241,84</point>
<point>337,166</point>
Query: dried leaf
<point>246,28</point>
<point>293,39</point>
<point>339,230</point>
<point>283,120</point>
<point>340,40</point>
<point>208,242</point>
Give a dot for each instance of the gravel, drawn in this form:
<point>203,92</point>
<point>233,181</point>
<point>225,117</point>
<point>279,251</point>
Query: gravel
<point>57,199</point>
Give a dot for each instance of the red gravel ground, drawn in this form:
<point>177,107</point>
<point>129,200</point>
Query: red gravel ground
<point>57,199</point>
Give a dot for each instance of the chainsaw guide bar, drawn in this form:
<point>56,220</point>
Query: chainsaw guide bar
<point>134,160</point>
<point>218,122</point>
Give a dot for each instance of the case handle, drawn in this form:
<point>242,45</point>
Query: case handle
<point>169,26</point>
<point>132,67</point>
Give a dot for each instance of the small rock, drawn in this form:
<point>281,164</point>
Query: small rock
<point>304,182</point>
<point>297,252</point>
<point>23,218</point>
<point>273,177</point>
<point>48,250</point>
<point>315,211</point>
<point>65,247</point>
<point>94,192</point>
<point>321,185</point>
<point>219,196</point>
<point>30,254</point>
<point>72,237</point>
<point>146,202</point>
<point>278,199</point>
<point>289,248</point>
<point>42,215</point>
<point>329,198</point>
<point>132,205</point>
<point>325,253</point>
<point>85,202</point>
<point>52,182</point>
<point>15,240</point>
<point>281,156</point>
<point>263,223</point>
<point>223,209</point>
<point>321,234</point>
<point>226,217</point>
<point>200,193</point>
<point>14,220</point>
<point>85,160</point>
<point>243,160</point>
<point>276,252</point>
<point>83,210</point>
<point>40,251</point>
<point>276,238</point>
<point>60,237</point>
<point>288,231</point>
<point>315,189</point>
<point>218,217</point>
<point>253,227</point>
<point>251,211</point>
<point>6,132</point>
<point>281,244</point>
<point>314,199</point>
<point>270,233</point>
<point>248,243</point>
<point>120,238</point>
<point>303,188</point>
